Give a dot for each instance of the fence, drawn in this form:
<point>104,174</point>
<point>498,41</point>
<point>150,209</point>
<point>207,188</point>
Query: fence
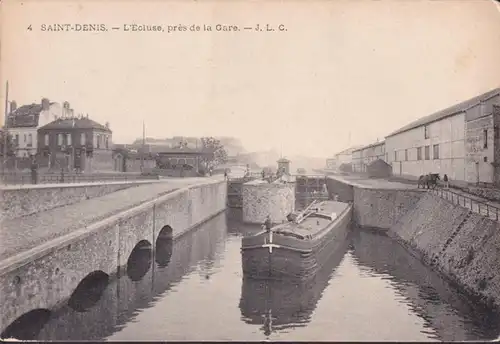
<point>474,205</point>
<point>26,178</point>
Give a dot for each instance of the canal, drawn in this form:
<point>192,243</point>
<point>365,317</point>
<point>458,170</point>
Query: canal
<point>193,290</point>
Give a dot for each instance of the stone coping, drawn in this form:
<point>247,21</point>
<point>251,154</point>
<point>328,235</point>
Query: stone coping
<point>11,263</point>
<point>376,184</point>
<point>78,185</point>
<point>261,183</point>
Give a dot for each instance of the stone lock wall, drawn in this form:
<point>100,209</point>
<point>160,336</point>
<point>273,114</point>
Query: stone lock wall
<point>344,191</point>
<point>261,199</point>
<point>382,208</point>
<point>42,277</point>
<point>20,201</point>
<point>461,245</point>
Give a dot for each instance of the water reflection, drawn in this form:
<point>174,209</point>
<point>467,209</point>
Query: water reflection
<point>279,305</point>
<point>164,249</point>
<point>139,262</point>
<point>27,326</point>
<point>89,291</point>
<point>449,315</point>
<point>125,297</point>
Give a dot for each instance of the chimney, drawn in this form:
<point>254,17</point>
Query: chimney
<point>13,106</point>
<point>45,104</point>
<point>66,105</point>
<point>107,125</point>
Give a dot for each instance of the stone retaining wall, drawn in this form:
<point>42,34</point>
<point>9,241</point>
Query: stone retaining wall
<point>462,245</point>
<point>382,208</point>
<point>44,276</point>
<point>261,199</point>
<point>20,201</point>
<point>344,191</point>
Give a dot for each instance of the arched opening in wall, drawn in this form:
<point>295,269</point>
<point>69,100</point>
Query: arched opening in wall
<point>139,261</point>
<point>89,291</point>
<point>164,246</point>
<point>28,325</point>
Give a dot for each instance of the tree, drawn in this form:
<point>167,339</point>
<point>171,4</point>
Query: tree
<point>10,143</point>
<point>219,155</point>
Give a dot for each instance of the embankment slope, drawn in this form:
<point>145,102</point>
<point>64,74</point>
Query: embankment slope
<point>462,245</point>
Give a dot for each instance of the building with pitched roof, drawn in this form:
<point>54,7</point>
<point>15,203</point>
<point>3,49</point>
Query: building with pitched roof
<point>362,157</point>
<point>77,142</point>
<point>23,123</point>
<point>458,141</point>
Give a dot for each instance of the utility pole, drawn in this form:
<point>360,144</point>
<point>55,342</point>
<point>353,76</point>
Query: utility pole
<point>5,133</point>
<point>143,144</point>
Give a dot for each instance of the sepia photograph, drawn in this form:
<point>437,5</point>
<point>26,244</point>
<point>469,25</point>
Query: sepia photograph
<point>250,170</point>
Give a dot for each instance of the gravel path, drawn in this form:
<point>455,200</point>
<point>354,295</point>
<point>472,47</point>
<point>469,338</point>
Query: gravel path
<point>17,235</point>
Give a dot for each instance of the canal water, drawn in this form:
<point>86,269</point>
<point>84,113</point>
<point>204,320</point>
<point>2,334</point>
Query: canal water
<point>193,290</point>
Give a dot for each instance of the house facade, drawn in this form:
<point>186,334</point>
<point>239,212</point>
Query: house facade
<point>23,123</point>
<point>364,156</point>
<point>345,156</point>
<point>77,143</point>
<point>437,143</point>
<point>482,141</point>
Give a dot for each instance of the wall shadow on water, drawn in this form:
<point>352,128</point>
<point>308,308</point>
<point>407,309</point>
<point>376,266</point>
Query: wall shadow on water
<point>123,297</point>
<point>280,305</point>
<point>28,325</point>
<point>89,291</point>
<point>139,261</point>
<point>448,314</point>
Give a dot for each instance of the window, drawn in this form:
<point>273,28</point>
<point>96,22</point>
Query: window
<point>46,139</point>
<point>435,153</point>
<point>485,138</point>
<point>98,141</point>
<point>59,139</point>
<point>68,139</point>
<point>30,140</point>
<point>386,156</point>
<point>426,132</point>
<point>419,153</point>
<point>106,139</point>
<point>82,139</point>
<point>17,140</point>
<point>427,153</point>
<point>24,138</point>
<point>406,154</point>
<point>395,156</point>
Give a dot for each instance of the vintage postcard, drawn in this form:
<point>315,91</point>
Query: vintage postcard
<point>250,170</point>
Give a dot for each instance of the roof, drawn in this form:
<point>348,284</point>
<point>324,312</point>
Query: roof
<point>25,116</point>
<point>369,146</point>
<point>191,151</point>
<point>283,160</point>
<point>450,111</point>
<point>74,123</point>
<point>348,150</point>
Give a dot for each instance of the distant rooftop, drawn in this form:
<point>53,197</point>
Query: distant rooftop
<point>76,122</point>
<point>369,146</point>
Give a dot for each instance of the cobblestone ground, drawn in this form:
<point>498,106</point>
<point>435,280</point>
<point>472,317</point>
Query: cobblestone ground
<point>17,235</point>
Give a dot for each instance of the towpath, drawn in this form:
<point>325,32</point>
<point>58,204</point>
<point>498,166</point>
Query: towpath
<point>475,203</point>
<point>24,233</point>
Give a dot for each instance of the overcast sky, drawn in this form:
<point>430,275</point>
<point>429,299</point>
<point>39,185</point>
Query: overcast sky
<point>359,67</point>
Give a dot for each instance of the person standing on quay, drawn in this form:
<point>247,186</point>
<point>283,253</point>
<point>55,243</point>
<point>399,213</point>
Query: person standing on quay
<point>446,182</point>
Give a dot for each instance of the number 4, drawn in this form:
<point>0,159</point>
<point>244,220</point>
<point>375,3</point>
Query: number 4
<point>29,28</point>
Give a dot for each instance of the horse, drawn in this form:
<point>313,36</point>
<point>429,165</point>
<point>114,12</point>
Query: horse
<point>429,180</point>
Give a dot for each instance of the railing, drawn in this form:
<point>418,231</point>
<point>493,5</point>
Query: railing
<point>474,205</point>
<point>13,179</point>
